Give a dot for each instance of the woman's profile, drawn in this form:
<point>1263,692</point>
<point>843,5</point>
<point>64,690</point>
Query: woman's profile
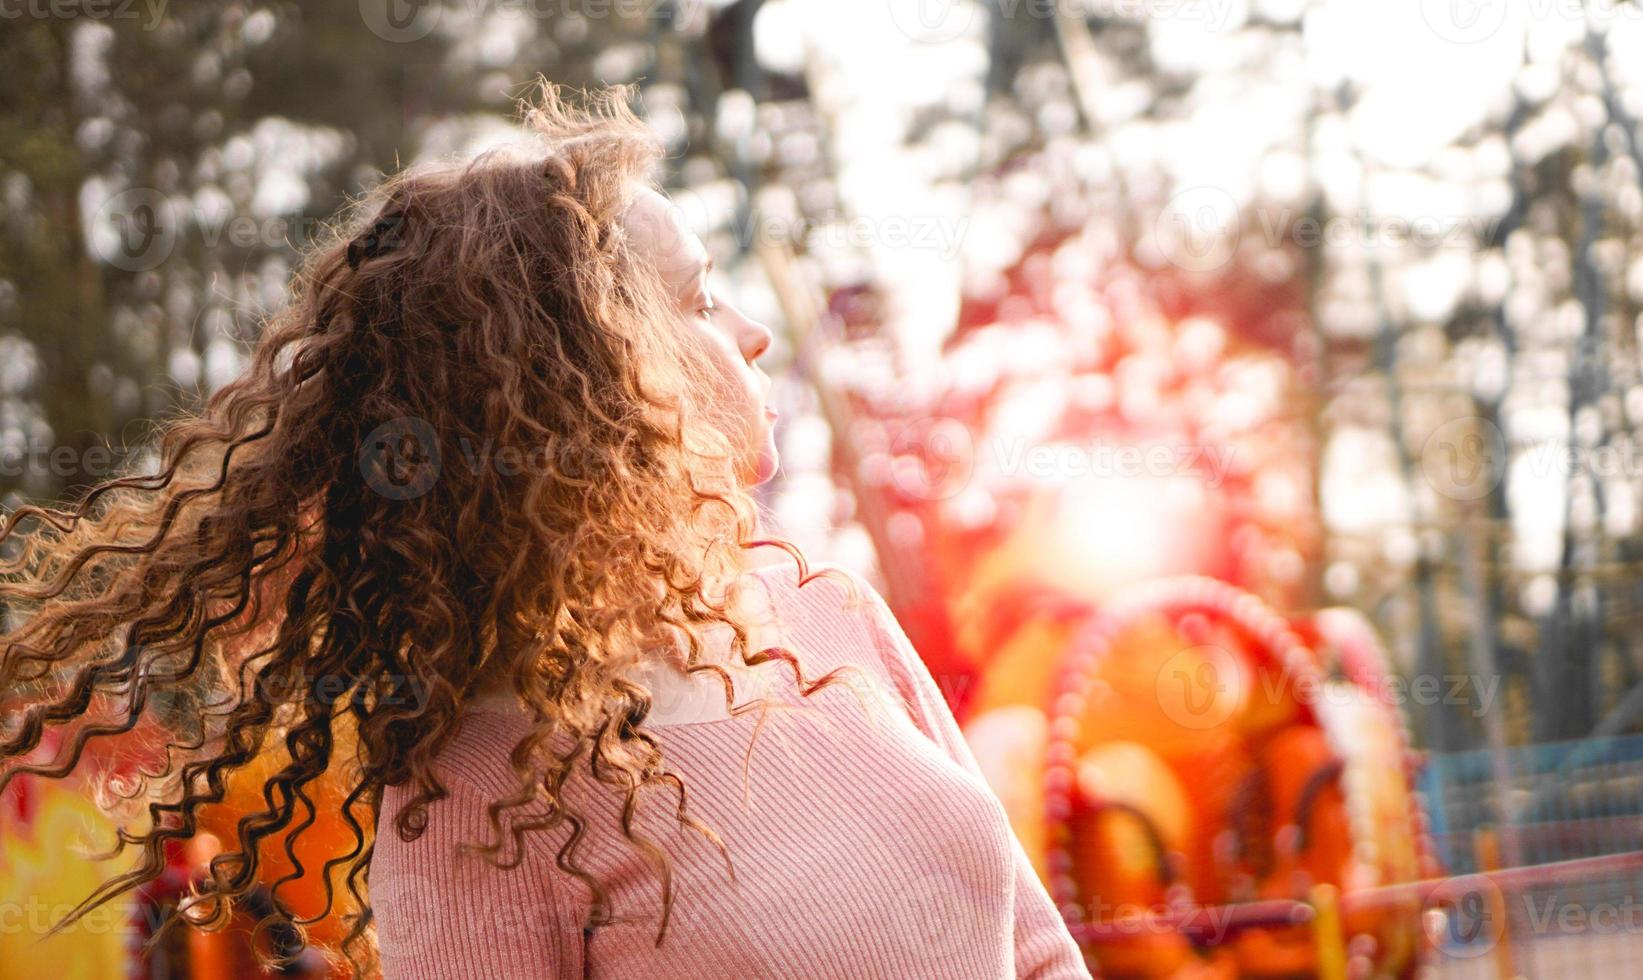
<point>480,503</point>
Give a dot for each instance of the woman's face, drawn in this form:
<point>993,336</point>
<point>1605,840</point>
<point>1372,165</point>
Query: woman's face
<point>733,341</point>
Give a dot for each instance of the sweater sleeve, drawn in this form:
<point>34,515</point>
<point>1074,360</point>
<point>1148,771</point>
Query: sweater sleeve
<point>1044,948</point>
<point>442,912</point>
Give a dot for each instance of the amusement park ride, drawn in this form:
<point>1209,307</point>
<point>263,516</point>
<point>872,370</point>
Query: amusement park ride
<point>1220,790</point>
<point>1209,787</point>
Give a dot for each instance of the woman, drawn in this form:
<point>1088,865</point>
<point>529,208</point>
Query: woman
<point>480,502</point>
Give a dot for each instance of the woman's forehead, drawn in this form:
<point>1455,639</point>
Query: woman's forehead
<point>657,226</point>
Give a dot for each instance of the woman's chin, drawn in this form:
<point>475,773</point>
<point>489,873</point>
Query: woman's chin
<point>762,469</point>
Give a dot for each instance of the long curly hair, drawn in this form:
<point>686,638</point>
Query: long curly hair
<point>473,448</point>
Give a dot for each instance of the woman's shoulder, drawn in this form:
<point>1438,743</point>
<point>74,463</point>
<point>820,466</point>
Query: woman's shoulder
<point>832,609</point>
<point>825,591</point>
<point>842,605</point>
<point>472,766</point>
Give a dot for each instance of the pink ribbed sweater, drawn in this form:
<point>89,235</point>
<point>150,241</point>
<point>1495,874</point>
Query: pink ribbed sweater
<point>860,850</point>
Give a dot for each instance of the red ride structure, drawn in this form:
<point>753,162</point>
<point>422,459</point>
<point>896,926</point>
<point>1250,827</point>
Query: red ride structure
<point>1218,783</point>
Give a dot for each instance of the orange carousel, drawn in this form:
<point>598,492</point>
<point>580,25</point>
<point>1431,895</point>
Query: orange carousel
<point>1204,784</point>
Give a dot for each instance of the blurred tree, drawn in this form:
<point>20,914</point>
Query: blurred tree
<point>161,172</point>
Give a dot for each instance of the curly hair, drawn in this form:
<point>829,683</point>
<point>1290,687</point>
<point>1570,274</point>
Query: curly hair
<point>471,449</point>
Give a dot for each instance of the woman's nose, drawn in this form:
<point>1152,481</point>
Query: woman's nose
<point>755,339</point>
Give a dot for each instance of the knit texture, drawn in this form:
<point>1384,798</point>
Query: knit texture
<point>865,843</point>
